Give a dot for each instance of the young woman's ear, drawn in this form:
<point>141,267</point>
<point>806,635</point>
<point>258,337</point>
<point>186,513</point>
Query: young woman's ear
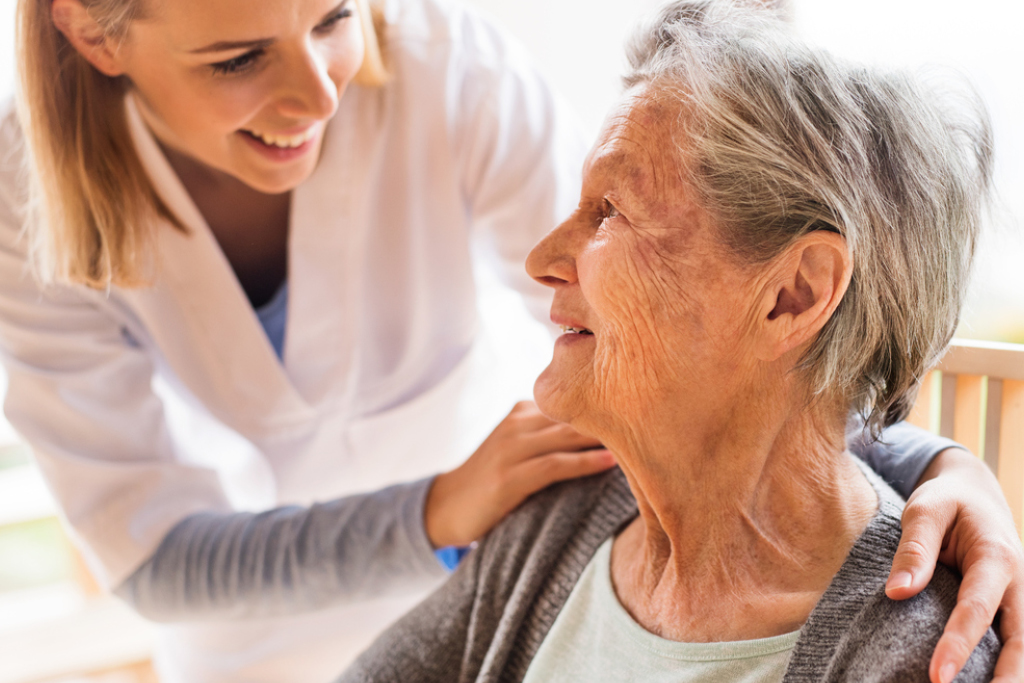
<point>811,278</point>
<point>86,36</point>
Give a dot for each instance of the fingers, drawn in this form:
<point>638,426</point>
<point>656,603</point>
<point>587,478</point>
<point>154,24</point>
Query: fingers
<point>527,422</point>
<point>525,416</point>
<point>557,437</point>
<point>920,544</point>
<point>981,591</point>
<point>526,433</point>
<point>540,472</point>
<point>1010,667</point>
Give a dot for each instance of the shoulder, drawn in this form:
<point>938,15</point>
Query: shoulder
<point>14,206</point>
<point>856,633</point>
<point>550,518</point>
<point>426,29</point>
<point>468,97</point>
<point>13,169</point>
<point>506,591</point>
<point>459,87</point>
<point>17,281</point>
<point>440,51</point>
<point>893,640</point>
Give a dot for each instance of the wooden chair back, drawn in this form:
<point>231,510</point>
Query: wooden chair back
<point>976,397</point>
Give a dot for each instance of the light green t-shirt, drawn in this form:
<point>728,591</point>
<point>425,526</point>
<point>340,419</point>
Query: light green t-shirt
<point>594,639</point>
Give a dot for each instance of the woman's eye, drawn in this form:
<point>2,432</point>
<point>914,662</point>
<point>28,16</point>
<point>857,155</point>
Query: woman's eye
<point>236,64</point>
<point>330,22</point>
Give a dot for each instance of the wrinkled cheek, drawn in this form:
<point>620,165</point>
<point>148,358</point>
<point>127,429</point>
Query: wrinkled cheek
<point>627,371</point>
<point>637,311</point>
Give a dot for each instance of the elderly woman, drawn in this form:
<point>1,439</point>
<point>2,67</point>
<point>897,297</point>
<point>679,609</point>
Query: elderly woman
<point>767,241</point>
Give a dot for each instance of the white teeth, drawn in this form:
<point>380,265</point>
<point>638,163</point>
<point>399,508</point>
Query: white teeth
<point>574,330</point>
<point>286,141</point>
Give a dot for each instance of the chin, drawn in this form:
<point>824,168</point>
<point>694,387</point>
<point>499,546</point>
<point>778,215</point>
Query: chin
<point>551,398</point>
<point>278,183</point>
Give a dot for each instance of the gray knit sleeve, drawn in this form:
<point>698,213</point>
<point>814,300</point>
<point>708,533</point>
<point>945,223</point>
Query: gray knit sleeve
<point>287,560</point>
<point>901,455</point>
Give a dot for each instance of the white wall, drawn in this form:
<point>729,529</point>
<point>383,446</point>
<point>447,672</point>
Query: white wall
<point>578,43</point>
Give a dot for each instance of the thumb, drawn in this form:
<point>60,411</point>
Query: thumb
<point>919,548</point>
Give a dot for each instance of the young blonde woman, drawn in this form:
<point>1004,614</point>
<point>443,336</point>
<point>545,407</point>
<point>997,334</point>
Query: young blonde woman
<point>271,212</point>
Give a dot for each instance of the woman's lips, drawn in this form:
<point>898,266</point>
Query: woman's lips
<point>281,151</point>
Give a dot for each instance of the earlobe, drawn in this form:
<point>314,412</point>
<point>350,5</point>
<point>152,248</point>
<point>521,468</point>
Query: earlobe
<point>813,275</point>
<point>85,34</point>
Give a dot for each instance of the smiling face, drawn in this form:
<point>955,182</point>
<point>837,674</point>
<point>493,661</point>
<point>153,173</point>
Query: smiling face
<point>655,310</point>
<point>244,88</point>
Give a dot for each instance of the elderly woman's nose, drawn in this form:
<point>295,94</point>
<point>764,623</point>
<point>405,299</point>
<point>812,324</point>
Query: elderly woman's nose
<point>552,262</point>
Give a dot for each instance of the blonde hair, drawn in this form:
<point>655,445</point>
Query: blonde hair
<point>92,206</point>
<point>373,73</point>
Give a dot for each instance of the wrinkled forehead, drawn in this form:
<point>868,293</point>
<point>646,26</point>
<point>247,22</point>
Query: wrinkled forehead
<point>640,147</point>
<point>641,130</point>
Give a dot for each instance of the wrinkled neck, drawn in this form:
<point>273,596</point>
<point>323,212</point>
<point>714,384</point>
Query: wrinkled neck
<point>742,523</point>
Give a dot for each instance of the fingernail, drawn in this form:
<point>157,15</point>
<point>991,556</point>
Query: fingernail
<point>900,580</point>
<point>947,672</point>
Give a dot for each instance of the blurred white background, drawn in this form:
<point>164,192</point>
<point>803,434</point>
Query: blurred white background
<point>578,43</point>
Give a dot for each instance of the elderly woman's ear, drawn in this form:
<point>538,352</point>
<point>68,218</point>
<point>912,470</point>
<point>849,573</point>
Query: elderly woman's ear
<point>810,279</point>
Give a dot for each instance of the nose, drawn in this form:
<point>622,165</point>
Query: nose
<point>307,89</point>
<point>553,262</point>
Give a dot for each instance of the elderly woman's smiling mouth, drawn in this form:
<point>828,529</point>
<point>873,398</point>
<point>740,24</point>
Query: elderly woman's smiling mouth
<point>576,330</point>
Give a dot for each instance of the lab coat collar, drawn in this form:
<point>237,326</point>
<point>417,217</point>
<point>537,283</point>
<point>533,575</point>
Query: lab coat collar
<point>200,317</point>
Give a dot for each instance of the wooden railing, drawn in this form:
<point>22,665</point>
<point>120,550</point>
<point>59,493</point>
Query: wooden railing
<point>976,396</point>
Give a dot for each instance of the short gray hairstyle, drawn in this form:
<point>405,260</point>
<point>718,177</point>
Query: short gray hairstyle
<point>779,139</point>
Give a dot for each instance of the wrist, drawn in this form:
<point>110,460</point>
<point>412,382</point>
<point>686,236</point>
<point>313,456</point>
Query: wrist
<point>436,515</point>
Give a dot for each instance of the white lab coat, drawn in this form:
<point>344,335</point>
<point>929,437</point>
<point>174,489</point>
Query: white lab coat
<point>388,372</point>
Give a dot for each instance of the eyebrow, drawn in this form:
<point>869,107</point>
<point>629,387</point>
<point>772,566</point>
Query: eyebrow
<point>258,43</point>
<point>227,45</point>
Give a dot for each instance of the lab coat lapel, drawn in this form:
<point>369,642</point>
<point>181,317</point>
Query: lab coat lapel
<point>327,277</point>
<point>200,317</point>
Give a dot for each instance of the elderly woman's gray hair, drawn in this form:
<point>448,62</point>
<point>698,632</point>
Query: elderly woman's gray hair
<point>782,139</point>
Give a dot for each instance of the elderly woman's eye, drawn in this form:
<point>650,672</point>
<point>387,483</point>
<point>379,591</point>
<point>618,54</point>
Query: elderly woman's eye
<point>610,211</point>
